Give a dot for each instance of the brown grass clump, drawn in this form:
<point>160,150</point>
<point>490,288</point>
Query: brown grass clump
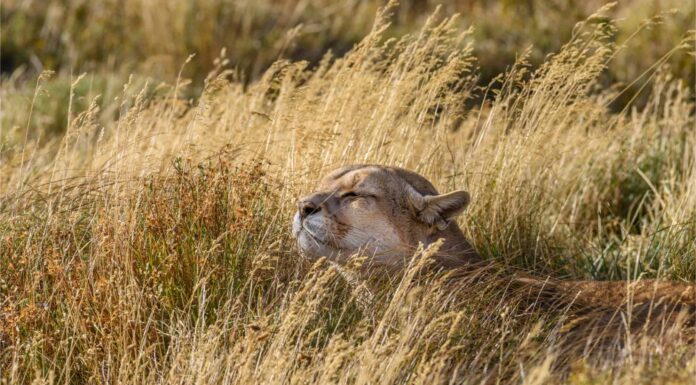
<point>154,248</point>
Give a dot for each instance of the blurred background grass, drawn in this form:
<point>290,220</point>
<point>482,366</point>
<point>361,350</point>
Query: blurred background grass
<point>155,37</point>
<point>112,39</point>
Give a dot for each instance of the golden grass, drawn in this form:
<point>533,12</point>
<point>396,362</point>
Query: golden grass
<point>156,249</point>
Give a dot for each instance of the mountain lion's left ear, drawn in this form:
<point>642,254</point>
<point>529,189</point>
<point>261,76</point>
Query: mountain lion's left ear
<point>439,210</point>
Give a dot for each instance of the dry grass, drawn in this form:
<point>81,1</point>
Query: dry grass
<point>155,248</point>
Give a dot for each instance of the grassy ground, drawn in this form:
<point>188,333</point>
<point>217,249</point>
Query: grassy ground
<point>144,222</point>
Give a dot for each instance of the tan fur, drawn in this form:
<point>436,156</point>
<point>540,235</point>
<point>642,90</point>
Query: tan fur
<point>385,213</point>
<point>386,220</point>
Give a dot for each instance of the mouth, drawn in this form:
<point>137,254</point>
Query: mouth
<point>310,234</point>
<point>299,227</point>
<point>299,230</point>
<point>310,243</point>
<point>316,242</point>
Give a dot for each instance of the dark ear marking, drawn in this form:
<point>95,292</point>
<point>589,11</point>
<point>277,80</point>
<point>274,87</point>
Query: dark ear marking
<point>449,205</point>
<point>439,210</point>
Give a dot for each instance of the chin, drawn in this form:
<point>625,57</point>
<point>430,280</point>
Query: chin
<point>312,249</point>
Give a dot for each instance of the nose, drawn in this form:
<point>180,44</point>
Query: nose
<point>307,208</point>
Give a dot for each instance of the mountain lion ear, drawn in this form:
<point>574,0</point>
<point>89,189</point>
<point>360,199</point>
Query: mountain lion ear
<point>439,210</point>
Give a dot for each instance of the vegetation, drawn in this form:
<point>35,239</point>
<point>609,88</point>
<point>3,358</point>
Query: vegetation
<point>144,219</point>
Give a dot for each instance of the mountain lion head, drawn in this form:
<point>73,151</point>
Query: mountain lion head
<point>380,212</point>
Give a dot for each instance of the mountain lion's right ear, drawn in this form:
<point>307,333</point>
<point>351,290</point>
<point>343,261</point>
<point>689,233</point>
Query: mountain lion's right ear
<point>438,210</point>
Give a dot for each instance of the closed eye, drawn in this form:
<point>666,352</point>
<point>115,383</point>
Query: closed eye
<point>350,194</point>
<point>353,194</point>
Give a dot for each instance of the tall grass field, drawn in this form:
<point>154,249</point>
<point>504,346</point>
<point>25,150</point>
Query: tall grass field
<point>152,153</point>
